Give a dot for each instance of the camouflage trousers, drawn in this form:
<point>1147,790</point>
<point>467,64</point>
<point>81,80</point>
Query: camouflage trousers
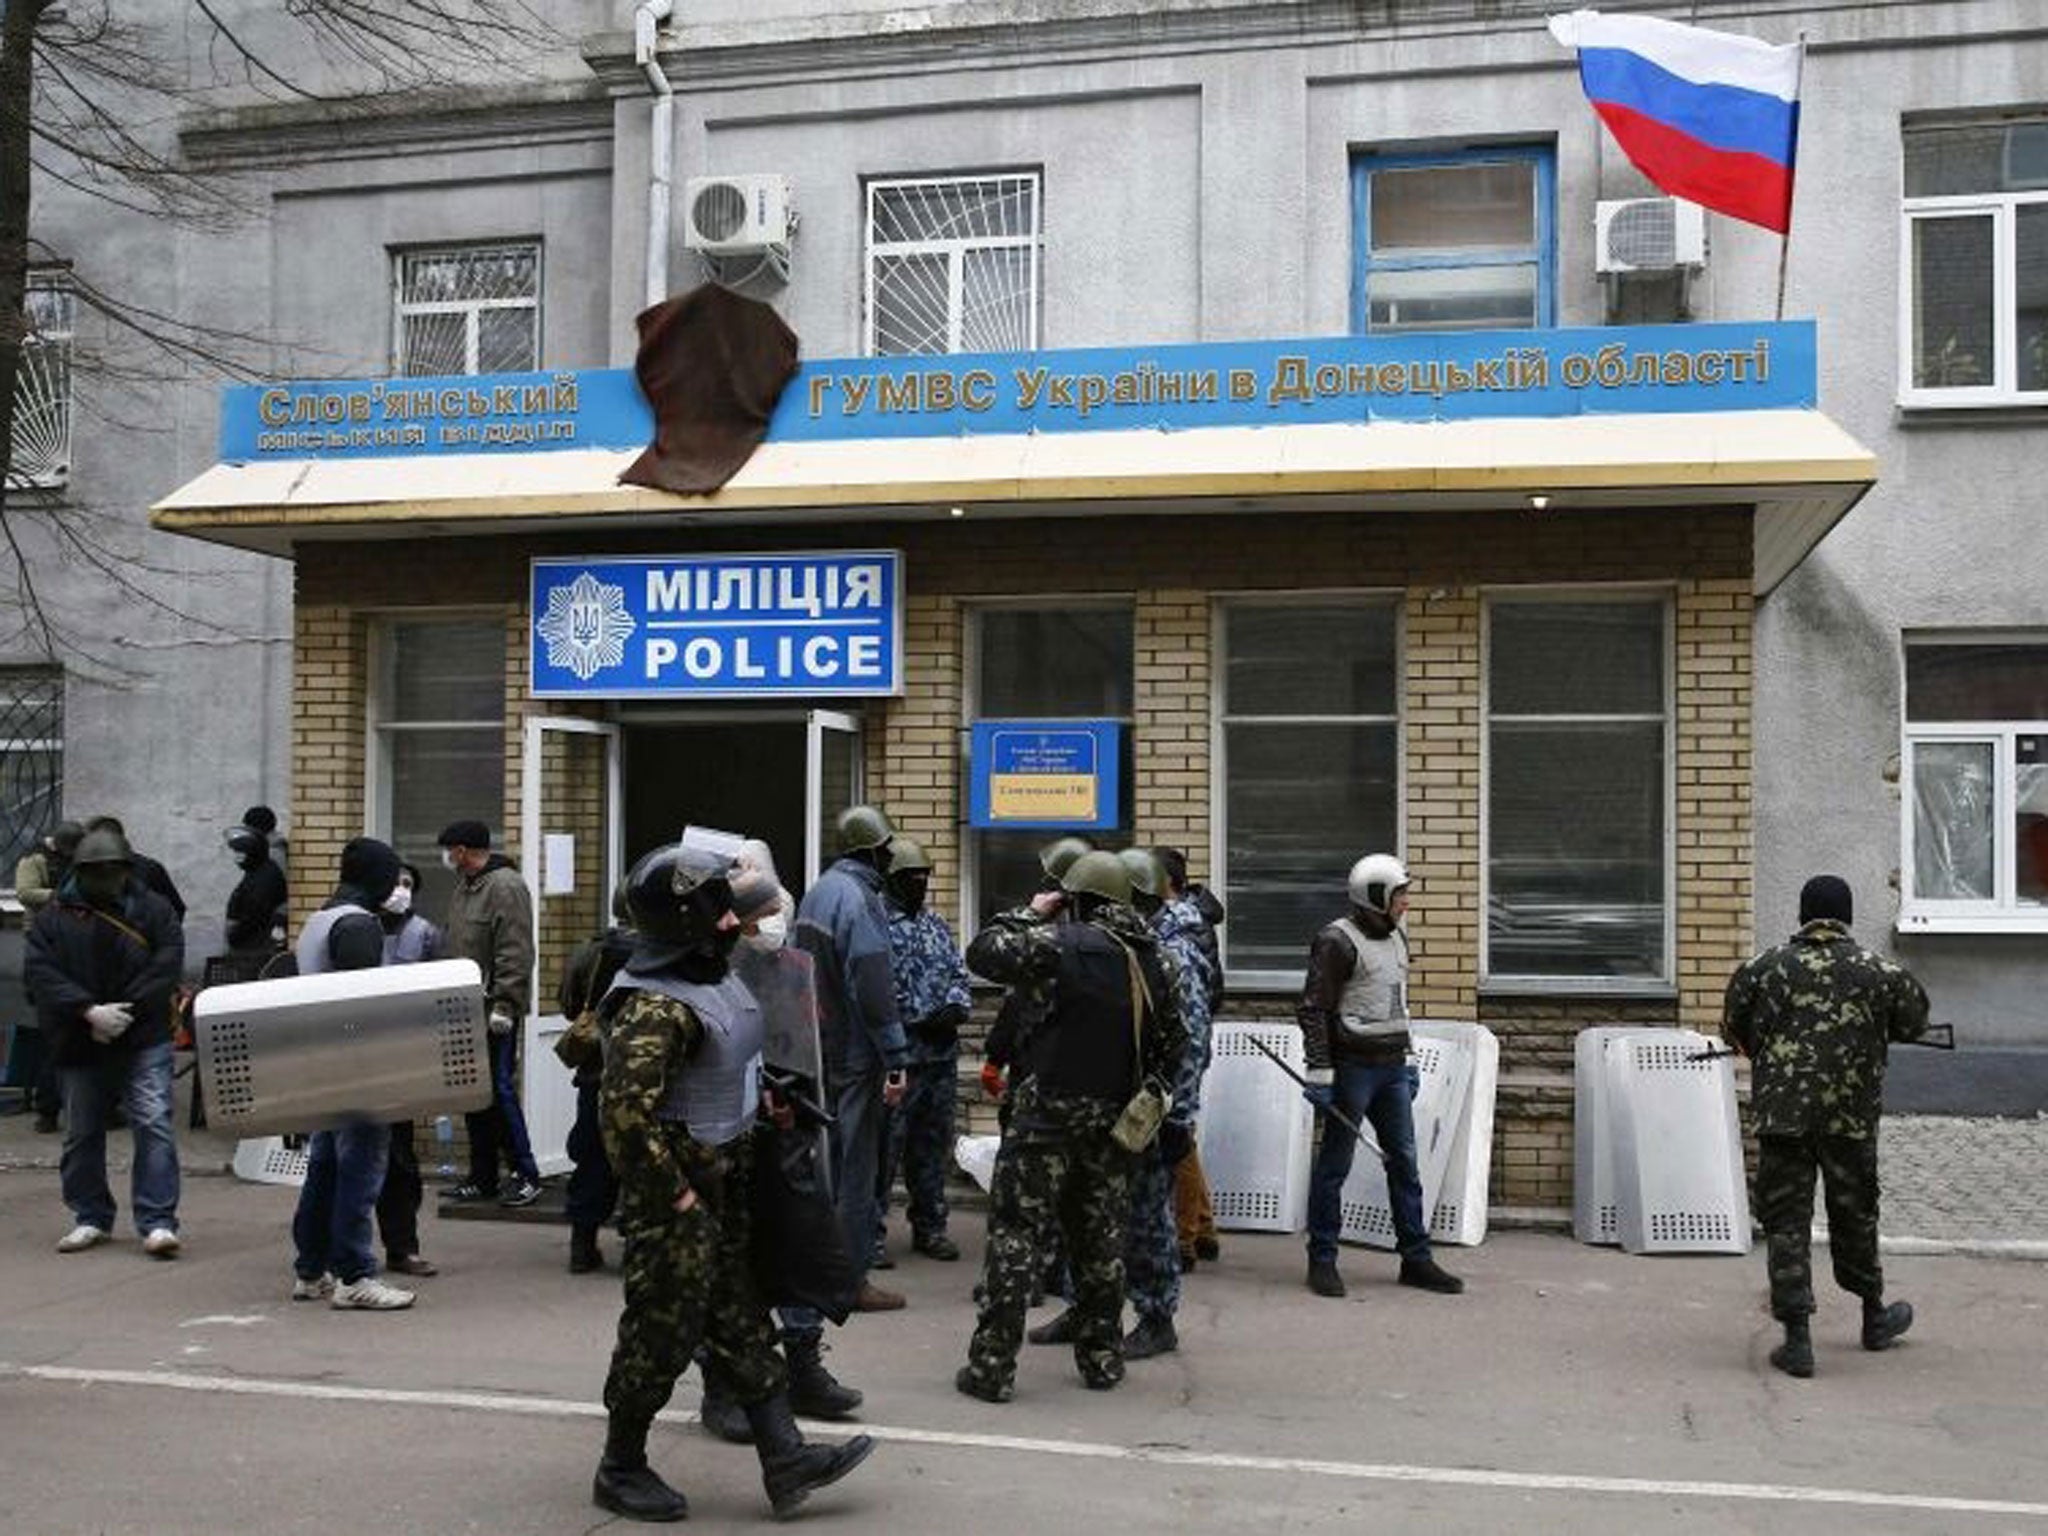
<point>1151,1244</point>
<point>1785,1170</point>
<point>689,1280</point>
<point>917,1138</point>
<point>1060,1174</point>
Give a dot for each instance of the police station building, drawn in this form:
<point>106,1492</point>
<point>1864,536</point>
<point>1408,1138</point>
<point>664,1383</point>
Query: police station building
<point>1211,432</point>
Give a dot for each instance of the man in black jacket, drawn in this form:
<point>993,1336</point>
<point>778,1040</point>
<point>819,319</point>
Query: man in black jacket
<point>256,906</point>
<point>147,870</point>
<point>103,960</point>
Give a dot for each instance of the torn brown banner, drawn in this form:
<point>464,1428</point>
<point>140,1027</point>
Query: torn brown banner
<point>712,364</point>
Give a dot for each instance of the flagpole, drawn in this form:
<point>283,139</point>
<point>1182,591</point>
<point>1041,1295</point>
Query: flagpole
<point>1785,240</point>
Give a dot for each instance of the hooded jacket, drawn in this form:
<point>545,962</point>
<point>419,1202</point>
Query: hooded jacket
<point>490,921</point>
<point>842,927</point>
<point>79,956</point>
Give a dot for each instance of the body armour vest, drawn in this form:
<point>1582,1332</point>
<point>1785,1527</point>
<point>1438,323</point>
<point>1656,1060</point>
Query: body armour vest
<point>718,1091</point>
<point>1085,1047</point>
<point>312,954</point>
<point>1374,1006</point>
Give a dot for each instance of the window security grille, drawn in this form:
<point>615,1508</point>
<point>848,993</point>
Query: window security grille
<point>42,388</point>
<point>471,309</point>
<point>953,265</point>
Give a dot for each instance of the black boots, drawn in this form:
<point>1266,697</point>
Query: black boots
<point>1152,1336</point>
<point>1323,1278</point>
<point>585,1256</point>
<point>627,1486</point>
<point>721,1414</point>
<point>1795,1356</point>
<point>1883,1324</point>
<point>1425,1274</point>
<point>813,1392</point>
<point>791,1469</point>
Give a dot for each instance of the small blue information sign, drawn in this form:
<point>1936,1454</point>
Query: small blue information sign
<point>1046,774</point>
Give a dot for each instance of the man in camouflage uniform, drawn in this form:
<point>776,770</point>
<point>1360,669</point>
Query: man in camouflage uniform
<point>677,1103</point>
<point>1059,1167</point>
<point>1814,1016</point>
<point>933,1001</point>
<point>1025,1005</point>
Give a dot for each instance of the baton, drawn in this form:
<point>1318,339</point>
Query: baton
<point>1365,1138</point>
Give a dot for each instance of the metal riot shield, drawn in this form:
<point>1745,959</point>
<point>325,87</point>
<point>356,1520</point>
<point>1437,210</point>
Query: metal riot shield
<point>784,983</point>
<point>306,1053</point>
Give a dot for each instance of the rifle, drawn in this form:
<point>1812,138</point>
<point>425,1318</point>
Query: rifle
<point>1365,1138</point>
<point>1939,1037</point>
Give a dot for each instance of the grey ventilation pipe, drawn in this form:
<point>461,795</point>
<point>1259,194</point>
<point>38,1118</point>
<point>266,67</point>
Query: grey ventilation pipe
<point>647,19</point>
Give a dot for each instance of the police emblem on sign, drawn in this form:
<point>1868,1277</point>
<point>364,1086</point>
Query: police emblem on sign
<point>586,626</point>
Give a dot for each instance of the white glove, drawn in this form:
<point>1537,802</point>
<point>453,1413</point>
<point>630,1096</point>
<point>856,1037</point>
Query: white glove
<point>109,1021</point>
<point>500,1023</point>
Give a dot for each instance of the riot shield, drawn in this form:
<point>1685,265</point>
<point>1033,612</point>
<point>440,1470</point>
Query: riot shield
<point>306,1053</point>
<point>784,983</point>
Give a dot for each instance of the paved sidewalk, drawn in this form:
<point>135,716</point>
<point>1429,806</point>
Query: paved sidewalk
<point>1952,1184</point>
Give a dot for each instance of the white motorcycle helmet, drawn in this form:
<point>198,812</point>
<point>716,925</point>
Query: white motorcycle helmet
<point>1374,879</point>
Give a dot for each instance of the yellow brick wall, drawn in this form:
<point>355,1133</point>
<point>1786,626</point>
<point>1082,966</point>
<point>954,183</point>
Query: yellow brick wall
<point>1440,564</point>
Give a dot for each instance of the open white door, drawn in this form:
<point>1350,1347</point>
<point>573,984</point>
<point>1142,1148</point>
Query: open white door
<point>832,783</point>
<point>570,854</point>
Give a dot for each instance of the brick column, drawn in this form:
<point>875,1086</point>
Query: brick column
<point>1442,691</point>
<point>1170,749</point>
<point>330,683</point>
<point>913,762</point>
<point>1715,835</point>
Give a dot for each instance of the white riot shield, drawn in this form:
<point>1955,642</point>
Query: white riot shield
<point>1445,1066</point>
<point>1678,1170</point>
<point>1460,1214</point>
<point>306,1053</point>
<point>1255,1128</point>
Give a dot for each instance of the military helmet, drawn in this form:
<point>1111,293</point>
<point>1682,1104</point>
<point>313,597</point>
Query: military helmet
<point>1143,869</point>
<point>1098,874</point>
<point>101,847</point>
<point>245,841</point>
<point>66,837</point>
<point>1056,856</point>
<point>660,889</point>
<point>862,827</point>
<point>1374,879</point>
<point>907,855</point>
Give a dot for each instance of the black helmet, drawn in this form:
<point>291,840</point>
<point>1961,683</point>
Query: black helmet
<point>862,827</point>
<point>1057,856</point>
<point>101,847</point>
<point>677,894</point>
<point>246,842</point>
<point>1098,874</point>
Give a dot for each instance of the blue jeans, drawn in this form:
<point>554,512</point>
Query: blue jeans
<point>1379,1096</point>
<point>501,1126</point>
<point>332,1227</point>
<point>141,1082</point>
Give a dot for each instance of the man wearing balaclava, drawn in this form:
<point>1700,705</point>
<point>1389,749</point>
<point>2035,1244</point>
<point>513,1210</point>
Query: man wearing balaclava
<point>256,906</point>
<point>1814,1016</point>
<point>103,960</point>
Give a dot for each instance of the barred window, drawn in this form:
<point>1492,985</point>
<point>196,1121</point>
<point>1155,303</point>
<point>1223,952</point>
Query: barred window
<point>31,760</point>
<point>467,309</point>
<point>42,388</point>
<point>953,264</point>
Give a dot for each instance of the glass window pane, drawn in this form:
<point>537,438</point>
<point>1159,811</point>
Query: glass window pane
<point>433,346</point>
<point>445,671</point>
<point>962,208</point>
<point>1337,659</point>
<point>1952,305</point>
<point>2030,820</point>
<point>439,776</point>
<point>507,340</point>
<point>1977,682</point>
<point>1452,299</point>
<point>1964,159</point>
<point>1954,792</point>
<point>995,300</point>
<point>1575,867</point>
<point>1055,663</point>
<point>1576,658</point>
<point>1454,207</point>
<point>1302,803</point>
<point>2030,281</point>
<point>913,305</point>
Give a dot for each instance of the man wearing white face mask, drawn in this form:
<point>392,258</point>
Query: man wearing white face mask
<point>408,940</point>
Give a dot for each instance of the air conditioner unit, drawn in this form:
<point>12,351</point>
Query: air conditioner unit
<point>1649,234</point>
<point>737,215</point>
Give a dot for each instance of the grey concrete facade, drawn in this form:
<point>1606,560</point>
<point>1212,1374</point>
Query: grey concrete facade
<point>1196,161</point>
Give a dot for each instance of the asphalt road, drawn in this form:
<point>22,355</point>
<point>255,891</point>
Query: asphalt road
<point>1571,1389</point>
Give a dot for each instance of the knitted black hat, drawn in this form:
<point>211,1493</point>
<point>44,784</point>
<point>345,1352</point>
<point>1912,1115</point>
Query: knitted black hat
<point>465,834</point>
<point>1826,896</point>
<point>370,868</point>
<point>260,818</point>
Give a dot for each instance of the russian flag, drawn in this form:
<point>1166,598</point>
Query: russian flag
<point>1711,117</point>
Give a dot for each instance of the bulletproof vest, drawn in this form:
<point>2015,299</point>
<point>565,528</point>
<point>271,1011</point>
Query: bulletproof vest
<point>1084,1047</point>
<point>718,1091</point>
<point>1375,1001</point>
<point>408,946</point>
<point>313,938</point>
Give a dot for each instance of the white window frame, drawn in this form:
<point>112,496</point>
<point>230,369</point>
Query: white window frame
<point>1219,757</point>
<point>50,279</point>
<point>2003,913</point>
<point>954,250</point>
<point>470,309</point>
<point>1510,983</point>
<point>970,710</point>
<point>379,728</point>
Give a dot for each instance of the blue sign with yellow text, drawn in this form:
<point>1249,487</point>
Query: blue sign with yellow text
<point>1045,774</point>
<point>719,626</point>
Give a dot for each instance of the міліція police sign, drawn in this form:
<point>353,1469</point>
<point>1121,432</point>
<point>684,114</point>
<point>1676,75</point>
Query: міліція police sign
<point>719,626</point>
